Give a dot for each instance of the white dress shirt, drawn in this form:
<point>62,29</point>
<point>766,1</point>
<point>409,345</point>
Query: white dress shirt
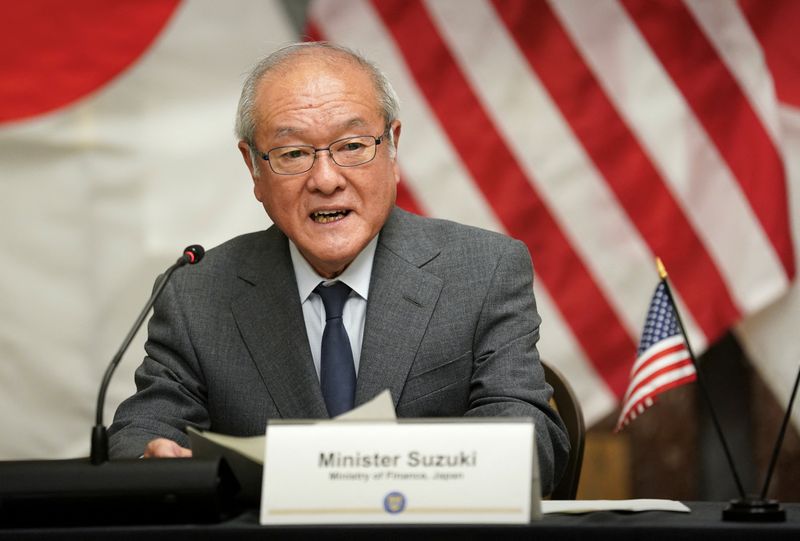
<point>356,276</point>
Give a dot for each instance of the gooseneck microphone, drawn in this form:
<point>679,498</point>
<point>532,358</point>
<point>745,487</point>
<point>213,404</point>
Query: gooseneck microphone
<point>99,453</point>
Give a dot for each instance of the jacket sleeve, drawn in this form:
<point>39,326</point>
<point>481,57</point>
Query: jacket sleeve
<point>170,389</point>
<point>508,379</point>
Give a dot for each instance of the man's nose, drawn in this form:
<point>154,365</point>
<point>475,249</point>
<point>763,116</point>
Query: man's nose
<point>326,176</point>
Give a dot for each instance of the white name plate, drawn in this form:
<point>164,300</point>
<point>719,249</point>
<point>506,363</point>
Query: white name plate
<point>400,472</point>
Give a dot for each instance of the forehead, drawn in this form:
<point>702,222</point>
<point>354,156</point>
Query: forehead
<point>307,93</point>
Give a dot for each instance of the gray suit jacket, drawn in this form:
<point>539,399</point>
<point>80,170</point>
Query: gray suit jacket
<point>451,330</point>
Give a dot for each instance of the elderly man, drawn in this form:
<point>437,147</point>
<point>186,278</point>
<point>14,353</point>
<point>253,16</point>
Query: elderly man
<point>346,295</point>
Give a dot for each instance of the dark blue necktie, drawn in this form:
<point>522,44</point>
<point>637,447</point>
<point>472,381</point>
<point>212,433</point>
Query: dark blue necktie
<point>337,370</point>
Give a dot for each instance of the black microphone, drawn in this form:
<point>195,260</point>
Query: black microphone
<point>193,254</point>
<point>99,454</point>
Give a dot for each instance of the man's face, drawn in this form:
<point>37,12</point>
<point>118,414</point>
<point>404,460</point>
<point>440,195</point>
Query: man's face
<point>310,102</point>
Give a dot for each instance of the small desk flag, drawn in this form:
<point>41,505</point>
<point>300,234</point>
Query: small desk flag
<point>662,361</point>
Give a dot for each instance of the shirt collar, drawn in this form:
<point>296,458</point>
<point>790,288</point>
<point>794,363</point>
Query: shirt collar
<point>356,275</point>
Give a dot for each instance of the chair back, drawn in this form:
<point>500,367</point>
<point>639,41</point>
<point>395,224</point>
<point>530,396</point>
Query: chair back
<point>571,413</point>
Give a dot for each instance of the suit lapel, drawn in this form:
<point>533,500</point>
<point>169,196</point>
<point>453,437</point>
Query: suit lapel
<point>270,320</point>
<point>401,300</point>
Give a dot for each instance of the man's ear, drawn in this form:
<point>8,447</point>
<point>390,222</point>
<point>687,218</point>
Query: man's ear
<point>244,148</point>
<point>395,129</point>
<point>395,133</point>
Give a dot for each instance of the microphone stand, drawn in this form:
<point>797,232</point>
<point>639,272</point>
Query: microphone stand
<point>99,449</point>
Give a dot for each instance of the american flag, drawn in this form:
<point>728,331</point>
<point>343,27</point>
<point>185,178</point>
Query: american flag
<point>662,361</point>
<point>600,133</point>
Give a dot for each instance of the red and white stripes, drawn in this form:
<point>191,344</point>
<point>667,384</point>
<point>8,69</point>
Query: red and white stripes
<point>602,134</point>
<point>663,366</point>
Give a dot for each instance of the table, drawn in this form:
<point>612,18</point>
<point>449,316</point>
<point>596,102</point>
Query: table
<point>704,522</point>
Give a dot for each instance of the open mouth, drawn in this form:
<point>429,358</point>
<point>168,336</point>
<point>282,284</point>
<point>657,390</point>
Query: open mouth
<point>328,216</point>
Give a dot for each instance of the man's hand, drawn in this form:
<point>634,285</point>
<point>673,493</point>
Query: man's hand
<point>164,448</point>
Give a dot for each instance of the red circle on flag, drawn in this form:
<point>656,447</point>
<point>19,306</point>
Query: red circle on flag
<point>53,53</point>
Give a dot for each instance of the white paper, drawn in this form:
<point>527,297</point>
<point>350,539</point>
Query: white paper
<point>589,506</point>
<point>252,447</point>
<point>380,408</point>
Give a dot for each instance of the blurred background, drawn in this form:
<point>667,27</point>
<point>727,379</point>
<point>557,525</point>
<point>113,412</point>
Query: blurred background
<point>601,133</point>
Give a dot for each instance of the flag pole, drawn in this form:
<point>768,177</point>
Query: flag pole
<point>662,272</point>
<point>777,448</point>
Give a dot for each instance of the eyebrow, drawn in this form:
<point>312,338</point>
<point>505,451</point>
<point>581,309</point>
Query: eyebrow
<point>288,131</point>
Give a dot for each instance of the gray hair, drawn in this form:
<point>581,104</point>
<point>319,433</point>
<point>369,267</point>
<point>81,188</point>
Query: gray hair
<point>388,102</point>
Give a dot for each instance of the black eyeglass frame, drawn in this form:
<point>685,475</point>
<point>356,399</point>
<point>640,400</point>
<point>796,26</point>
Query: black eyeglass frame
<point>378,140</point>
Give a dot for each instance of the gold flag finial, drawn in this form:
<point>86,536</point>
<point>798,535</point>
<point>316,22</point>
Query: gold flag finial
<point>662,271</point>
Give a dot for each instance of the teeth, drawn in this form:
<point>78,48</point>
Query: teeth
<point>327,216</point>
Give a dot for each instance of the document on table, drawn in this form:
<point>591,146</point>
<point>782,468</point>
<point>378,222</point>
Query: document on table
<point>631,506</point>
<point>245,455</point>
<point>204,444</point>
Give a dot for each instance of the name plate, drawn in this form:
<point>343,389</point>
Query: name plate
<point>465,471</point>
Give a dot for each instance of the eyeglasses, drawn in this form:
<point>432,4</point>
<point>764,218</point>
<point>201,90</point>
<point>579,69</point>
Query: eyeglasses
<point>347,152</point>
